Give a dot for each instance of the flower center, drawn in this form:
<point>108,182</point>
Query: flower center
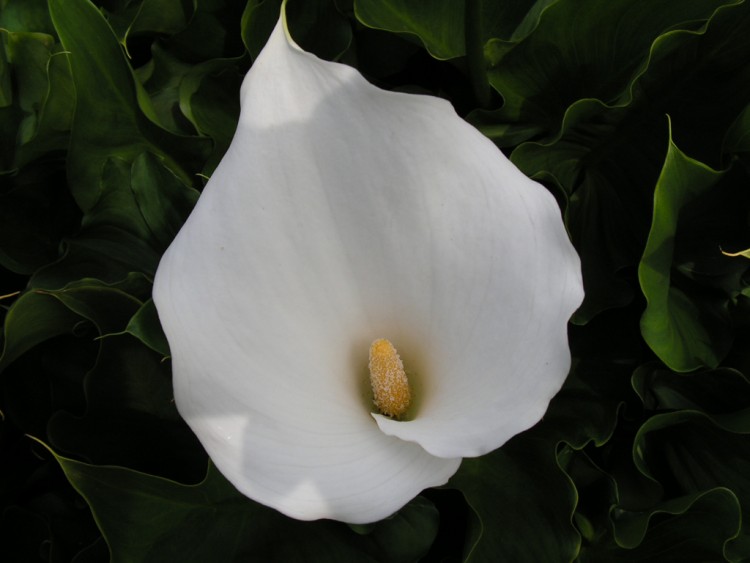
<point>390,386</point>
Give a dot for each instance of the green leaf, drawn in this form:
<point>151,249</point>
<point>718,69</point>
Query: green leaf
<point>112,128</point>
<point>128,392</point>
<point>442,26</point>
<point>6,88</point>
<point>104,253</point>
<point>698,442</point>
<point>167,521</point>
<point>406,535</point>
<point>211,33</point>
<point>25,15</point>
<point>523,479</point>
<point>53,115</point>
<point>716,392</point>
<point>130,416</point>
<point>670,506</point>
<point>115,239</point>
<point>29,54</point>
<point>209,98</point>
<point>608,196</point>
<point>145,326</point>
<point>109,308</point>
<point>439,25</point>
<point>694,453</point>
<point>696,77</point>
<point>34,318</point>
<point>163,200</point>
<point>509,22</point>
<point>113,115</point>
<point>607,158</point>
<point>692,529</point>
<point>36,97</point>
<point>686,333</point>
<point>737,139</point>
<point>566,58</point>
<point>150,17</point>
<point>161,76</point>
<point>526,479</point>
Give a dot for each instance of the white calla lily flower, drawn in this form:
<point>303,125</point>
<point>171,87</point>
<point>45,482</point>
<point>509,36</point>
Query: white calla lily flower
<point>343,214</point>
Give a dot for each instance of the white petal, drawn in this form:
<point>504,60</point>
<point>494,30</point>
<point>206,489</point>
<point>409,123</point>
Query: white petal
<point>308,456</point>
<point>496,356</point>
<point>341,214</point>
<point>262,318</point>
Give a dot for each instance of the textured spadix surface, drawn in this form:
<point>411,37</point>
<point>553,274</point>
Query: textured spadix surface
<point>341,214</point>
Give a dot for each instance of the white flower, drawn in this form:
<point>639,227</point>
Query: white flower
<point>342,214</point>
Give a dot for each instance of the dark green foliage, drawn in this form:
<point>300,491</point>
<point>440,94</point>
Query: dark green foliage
<point>634,113</point>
